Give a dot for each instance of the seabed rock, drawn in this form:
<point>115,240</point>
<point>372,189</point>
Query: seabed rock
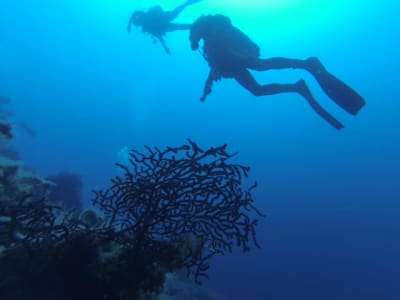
<point>17,181</point>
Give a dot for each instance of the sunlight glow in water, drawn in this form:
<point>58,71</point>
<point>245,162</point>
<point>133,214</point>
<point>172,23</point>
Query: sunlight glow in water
<point>286,13</point>
<point>278,16</point>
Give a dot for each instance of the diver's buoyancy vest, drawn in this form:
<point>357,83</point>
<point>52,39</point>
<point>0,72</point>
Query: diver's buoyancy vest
<point>225,46</point>
<point>218,31</point>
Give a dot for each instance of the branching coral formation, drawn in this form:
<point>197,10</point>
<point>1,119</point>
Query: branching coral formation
<point>170,210</point>
<point>186,196</point>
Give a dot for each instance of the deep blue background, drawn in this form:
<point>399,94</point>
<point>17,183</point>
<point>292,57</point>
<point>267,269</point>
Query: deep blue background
<point>332,198</point>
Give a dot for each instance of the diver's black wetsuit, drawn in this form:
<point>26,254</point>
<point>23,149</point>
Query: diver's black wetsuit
<point>158,22</point>
<point>230,53</point>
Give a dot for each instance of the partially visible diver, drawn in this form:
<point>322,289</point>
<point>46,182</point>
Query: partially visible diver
<point>157,22</point>
<point>230,53</point>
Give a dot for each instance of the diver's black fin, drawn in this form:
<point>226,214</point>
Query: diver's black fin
<point>343,95</point>
<point>325,115</point>
<point>305,92</point>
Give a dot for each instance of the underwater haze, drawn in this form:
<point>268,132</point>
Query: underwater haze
<point>331,198</point>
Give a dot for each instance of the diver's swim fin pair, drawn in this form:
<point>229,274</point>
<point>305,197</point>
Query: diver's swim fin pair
<point>337,90</point>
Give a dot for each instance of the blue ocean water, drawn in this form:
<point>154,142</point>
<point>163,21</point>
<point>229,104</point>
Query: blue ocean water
<point>89,89</point>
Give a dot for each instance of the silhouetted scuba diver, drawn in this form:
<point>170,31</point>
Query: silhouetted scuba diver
<point>158,22</point>
<point>230,53</point>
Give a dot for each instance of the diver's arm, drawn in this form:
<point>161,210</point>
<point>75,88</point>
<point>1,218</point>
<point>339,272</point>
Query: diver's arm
<point>208,85</point>
<point>161,39</point>
<point>173,14</point>
<point>175,26</point>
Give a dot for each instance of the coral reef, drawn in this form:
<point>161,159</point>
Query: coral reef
<point>16,181</point>
<point>177,288</point>
<point>186,196</point>
<point>20,208</point>
<point>171,210</point>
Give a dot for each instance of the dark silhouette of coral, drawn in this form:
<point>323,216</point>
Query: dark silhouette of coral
<point>182,193</point>
<point>172,209</point>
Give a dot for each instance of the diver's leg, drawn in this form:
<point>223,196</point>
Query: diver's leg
<point>245,79</point>
<point>174,26</point>
<point>276,63</point>
<point>337,90</point>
